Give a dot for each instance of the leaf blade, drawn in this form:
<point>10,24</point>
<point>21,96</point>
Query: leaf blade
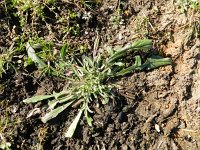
<point>72,127</point>
<point>155,62</point>
<point>38,98</point>
<point>144,44</point>
<point>52,114</point>
<point>32,55</point>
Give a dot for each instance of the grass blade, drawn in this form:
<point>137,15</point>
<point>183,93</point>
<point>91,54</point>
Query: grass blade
<point>125,71</point>
<point>117,55</point>
<point>37,98</point>
<point>144,44</point>
<point>128,70</point>
<point>138,61</point>
<point>63,51</point>
<point>53,103</point>
<point>55,112</point>
<point>34,57</point>
<point>88,118</point>
<point>155,62</point>
<point>72,128</point>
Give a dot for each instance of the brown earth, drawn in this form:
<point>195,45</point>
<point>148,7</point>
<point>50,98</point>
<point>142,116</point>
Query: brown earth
<point>158,109</point>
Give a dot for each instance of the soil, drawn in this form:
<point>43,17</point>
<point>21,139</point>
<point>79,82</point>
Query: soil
<point>157,109</point>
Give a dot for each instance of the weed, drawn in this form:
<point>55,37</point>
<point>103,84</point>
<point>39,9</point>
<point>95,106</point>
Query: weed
<point>88,80</point>
<point>196,29</point>
<point>44,52</point>
<point>194,15</point>
<point>6,60</point>
<point>4,144</point>
<point>117,19</point>
<point>35,7</point>
<point>45,49</point>
<point>42,132</point>
<point>141,25</point>
<point>7,127</point>
<point>89,3</point>
<point>186,4</point>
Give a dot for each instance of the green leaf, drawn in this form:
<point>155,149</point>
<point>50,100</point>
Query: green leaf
<point>110,51</point>
<point>55,112</point>
<point>138,61</point>
<point>119,64</point>
<point>130,69</point>
<point>155,62</point>
<point>34,57</point>
<point>144,44</point>
<point>88,118</point>
<point>38,98</point>
<point>5,145</point>
<point>125,71</point>
<point>53,103</point>
<point>87,60</point>
<point>37,46</point>
<point>105,97</point>
<point>96,42</point>
<point>73,126</point>
<point>63,51</point>
<point>117,55</point>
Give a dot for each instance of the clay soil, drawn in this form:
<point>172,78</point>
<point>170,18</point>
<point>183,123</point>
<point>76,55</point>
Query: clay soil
<point>156,110</point>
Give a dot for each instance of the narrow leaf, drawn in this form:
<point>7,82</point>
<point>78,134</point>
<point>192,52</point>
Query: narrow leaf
<point>138,61</point>
<point>144,44</point>
<point>117,55</point>
<point>130,69</point>
<point>88,60</point>
<point>55,112</point>
<point>96,43</point>
<point>63,51</point>
<point>125,71</point>
<point>33,112</point>
<point>38,98</point>
<point>34,57</point>
<point>155,62</point>
<point>73,126</point>
<point>110,51</point>
<point>119,64</point>
<point>88,118</point>
<point>53,103</point>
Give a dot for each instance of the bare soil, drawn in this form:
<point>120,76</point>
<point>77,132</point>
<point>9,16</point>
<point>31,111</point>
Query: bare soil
<point>158,109</point>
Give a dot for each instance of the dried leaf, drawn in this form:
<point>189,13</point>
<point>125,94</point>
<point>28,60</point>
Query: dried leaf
<point>33,112</point>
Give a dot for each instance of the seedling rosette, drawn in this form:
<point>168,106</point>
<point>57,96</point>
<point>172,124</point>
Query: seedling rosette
<point>89,80</point>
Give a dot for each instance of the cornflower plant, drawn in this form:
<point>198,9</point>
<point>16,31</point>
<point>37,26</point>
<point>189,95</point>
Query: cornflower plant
<point>88,80</point>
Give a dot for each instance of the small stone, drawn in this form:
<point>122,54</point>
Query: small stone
<point>157,127</point>
<point>124,147</point>
<point>122,117</point>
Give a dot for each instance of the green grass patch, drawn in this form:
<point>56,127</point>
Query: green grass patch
<point>186,4</point>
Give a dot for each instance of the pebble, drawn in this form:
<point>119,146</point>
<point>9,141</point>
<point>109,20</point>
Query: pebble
<point>122,117</point>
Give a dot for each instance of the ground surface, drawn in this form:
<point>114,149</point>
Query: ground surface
<point>159,109</point>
